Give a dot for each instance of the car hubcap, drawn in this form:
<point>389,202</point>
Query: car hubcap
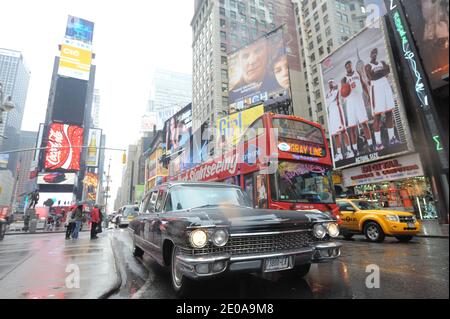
<point>176,273</point>
<point>372,232</point>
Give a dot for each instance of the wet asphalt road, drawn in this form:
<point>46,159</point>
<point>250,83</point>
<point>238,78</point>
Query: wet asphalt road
<point>419,269</point>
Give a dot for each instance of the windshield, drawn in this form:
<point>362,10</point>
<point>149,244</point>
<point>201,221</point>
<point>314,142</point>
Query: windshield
<point>365,205</point>
<point>188,197</point>
<point>302,183</point>
<point>131,211</point>
<point>297,130</point>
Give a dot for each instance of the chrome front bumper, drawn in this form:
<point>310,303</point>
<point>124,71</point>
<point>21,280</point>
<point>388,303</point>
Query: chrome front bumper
<point>221,263</point>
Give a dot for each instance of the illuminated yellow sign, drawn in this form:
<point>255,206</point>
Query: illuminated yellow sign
<point>233,126</point>
<point>75,62</point>
<point>306,150</point>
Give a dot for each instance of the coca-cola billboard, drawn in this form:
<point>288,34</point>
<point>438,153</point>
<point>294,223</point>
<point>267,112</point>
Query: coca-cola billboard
<point>63,147</point>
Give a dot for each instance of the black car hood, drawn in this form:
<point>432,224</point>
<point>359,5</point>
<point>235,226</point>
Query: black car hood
<point>242,219</point>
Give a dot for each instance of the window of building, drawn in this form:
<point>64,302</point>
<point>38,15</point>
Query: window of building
<point>222,23</point>
<point>223,35</point>
<point>222,11</point>
<point>328,31</point>
<point>326,19</point>
<point>319,38</point>
<point>324,8</point>
<point>319,107</point>
<point>233,3</point>
<point>321,51</point>
<point>317,26</point>
<point>322,120</point>
<point>233,14</point>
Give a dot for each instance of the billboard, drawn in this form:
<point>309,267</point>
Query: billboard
<point>366,118</point>
<point>79,29</point>
<point>429,21</point>
<point>70,101</point>
<point>38,144</point>
<point>55,199</point>
<point>57,179</point>
<point>231,128</point>
<point>75,61</point>
<point>63,147</point>
<point>259,73</point>
<point>4,159</point>
<point>94,143</point>
<point>91,184</point>
<point>394,169</point>
<point>178,130</point>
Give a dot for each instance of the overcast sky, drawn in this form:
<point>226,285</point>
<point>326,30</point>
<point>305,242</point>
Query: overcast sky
<point>131,39</point>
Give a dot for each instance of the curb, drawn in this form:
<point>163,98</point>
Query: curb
<point>118,283</point>
<point>433,236</point>
<point>42,233</point>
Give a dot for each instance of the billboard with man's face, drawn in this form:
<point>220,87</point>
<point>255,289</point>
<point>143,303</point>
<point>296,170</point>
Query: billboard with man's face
<point>365,110</point>
<point>259,73</point>
<point>429,20</point>
<point>178,130</point>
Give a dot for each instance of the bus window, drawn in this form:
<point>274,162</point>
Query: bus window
<point>232,181</point>
<point>261,191</point>
<point>249,187</point>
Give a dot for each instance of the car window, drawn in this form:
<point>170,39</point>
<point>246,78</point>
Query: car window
<point>168,205</point>
<point>160,200</point>
<point>346,207</point>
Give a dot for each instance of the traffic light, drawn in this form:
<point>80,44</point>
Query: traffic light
<point>124,158</point>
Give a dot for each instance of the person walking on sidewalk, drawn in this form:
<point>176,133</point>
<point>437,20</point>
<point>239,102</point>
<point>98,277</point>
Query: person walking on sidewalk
<point>70,222</point>
<point>78,221</point>
<point>95,220</point>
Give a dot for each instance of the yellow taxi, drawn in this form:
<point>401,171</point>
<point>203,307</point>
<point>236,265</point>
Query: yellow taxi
<point>364,217</point>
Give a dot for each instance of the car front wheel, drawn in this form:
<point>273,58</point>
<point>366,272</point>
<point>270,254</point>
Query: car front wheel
<point>138,252</point>
<point>180,283</point>
<point>404,239</point>
<point>374,232</point>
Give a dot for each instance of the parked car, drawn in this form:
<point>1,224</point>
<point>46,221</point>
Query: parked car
<point>368,218</point>
<point>126,214</point>
<point>203,230</point>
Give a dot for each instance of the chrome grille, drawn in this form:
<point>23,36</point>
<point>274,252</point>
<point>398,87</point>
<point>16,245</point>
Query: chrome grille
<point>255,244</point>
<point>406,219</point>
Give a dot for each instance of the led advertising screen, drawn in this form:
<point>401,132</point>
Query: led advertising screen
<point>63,147</point>
<point>91,184</point>
<point>55,199</point>
<point>79,29</point>
<point>70,101</point>
<point>259,73</point>
<point>57,179</point>
<point>365,110</point>
<point>94,143</point>
<point>75,61</point>
<point>429,21</point>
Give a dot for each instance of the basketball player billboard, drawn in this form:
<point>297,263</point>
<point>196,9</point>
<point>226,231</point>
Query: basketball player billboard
<point>365,111</point>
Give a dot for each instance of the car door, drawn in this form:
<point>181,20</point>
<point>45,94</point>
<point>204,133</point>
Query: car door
<point>349,218</point>
<point>155,222</point>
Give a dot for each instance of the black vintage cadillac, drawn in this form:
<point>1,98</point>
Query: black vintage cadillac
<point>202,230</point>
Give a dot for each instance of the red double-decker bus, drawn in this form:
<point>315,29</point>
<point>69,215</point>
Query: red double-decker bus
<point>282,162</point>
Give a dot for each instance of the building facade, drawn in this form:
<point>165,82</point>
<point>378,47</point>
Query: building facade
<point>23,183</point>
<point>221,27</point>
<point>15,78</point>
<point>323,26</point>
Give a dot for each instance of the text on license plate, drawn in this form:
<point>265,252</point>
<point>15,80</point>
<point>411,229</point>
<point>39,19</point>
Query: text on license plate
<point>277,264</point>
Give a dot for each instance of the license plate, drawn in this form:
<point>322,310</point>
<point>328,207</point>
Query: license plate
<point>277,264</point>
<point>130,218</point>
<point>411,225</point>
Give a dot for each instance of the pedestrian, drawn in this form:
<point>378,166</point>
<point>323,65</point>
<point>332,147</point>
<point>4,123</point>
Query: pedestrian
<point>95,220</point>
<point>100,224</point>
<point>70,223</point>
<point>78,221</point>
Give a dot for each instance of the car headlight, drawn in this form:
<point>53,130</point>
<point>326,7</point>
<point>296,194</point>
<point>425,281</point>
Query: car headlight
<point>320,231</point>
<point>220,237</point>
<point>333,230</point>
<point>393,218</point>
<point>198,238</point>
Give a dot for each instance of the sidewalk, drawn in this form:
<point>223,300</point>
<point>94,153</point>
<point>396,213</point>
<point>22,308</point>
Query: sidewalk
<point>49,267</point>
<point>432,228</point>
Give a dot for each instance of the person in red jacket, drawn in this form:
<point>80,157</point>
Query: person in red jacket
<point>95,220</point>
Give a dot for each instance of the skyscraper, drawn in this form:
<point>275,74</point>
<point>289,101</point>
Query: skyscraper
<point>14,77</point>
<point>171,92</point>
<point>221,27</point>
<point>323,26</point>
